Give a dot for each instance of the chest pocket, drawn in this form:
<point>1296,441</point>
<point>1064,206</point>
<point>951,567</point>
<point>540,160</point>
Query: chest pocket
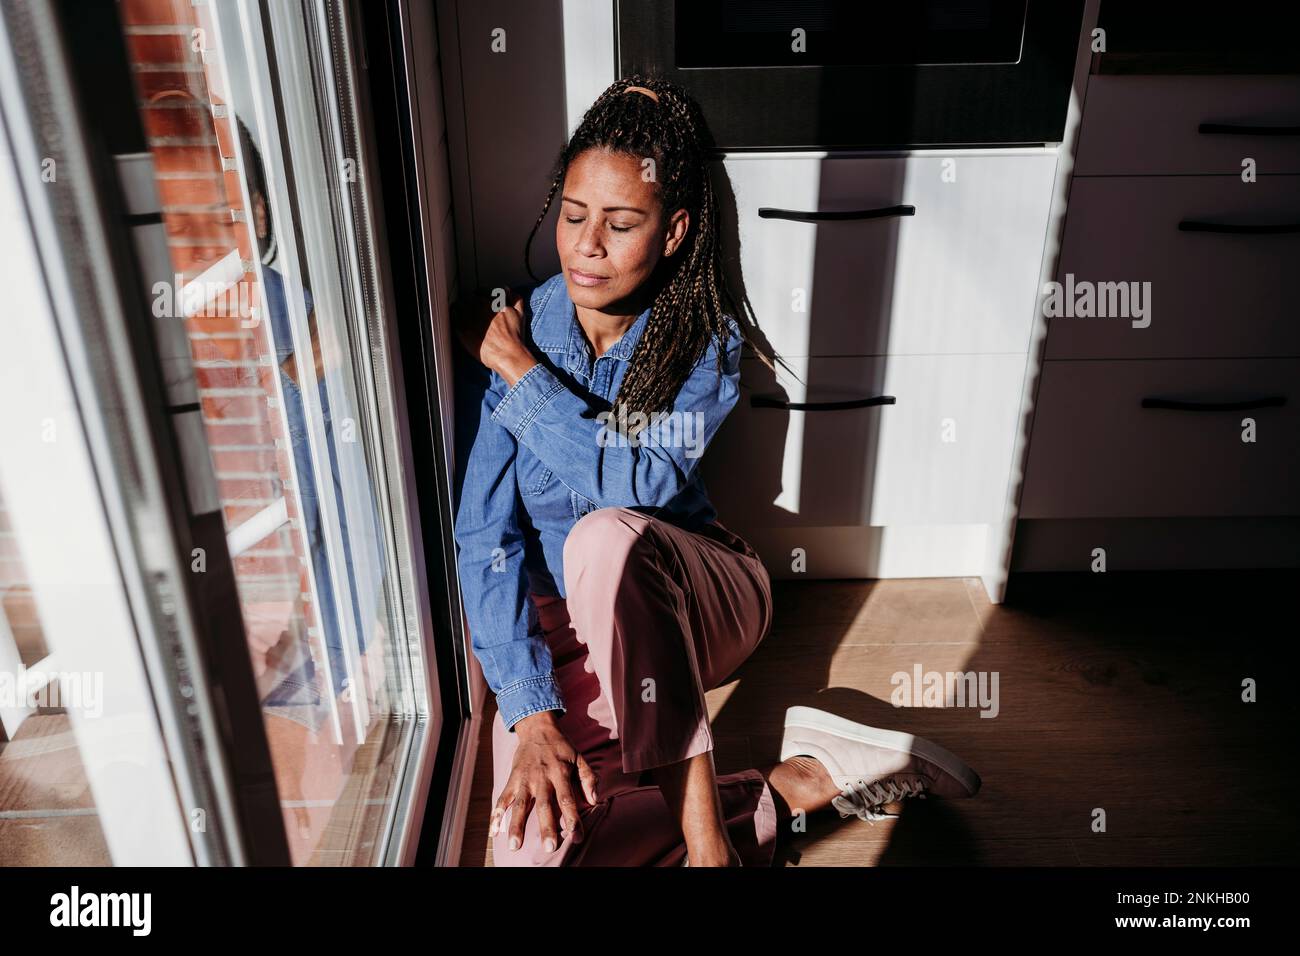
<point>532,475</point>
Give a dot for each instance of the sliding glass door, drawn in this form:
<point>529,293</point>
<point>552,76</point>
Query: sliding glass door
<point>220,323</point>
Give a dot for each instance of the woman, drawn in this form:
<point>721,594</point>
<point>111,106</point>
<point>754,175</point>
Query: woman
<point>603,595</point>
<point>296,693</point>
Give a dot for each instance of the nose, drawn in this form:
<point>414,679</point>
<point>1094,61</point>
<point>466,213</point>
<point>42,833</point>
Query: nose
<point>589,242</point>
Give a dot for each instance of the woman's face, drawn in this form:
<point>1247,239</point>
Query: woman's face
<point>612,231</point>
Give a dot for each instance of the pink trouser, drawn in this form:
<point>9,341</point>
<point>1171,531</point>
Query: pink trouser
<point>655,616</point>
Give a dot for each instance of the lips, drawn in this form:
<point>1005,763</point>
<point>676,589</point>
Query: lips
<point>586,278</point>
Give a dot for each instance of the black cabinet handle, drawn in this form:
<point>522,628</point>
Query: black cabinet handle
<point>1178,405</point>
<point>1275,228</point>
<point>762,401</point>
<point>794,215</point>
<point>1241,129</point>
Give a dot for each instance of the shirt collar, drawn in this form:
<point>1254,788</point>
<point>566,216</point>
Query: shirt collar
<point>558,328</point>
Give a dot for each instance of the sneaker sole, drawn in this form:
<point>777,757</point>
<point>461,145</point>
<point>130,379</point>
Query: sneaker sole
<point>949,763</point>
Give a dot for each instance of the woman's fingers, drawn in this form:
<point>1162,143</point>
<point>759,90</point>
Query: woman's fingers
<point>545,809</point>
<point>518,817</point>
<point>491,335</point>
<point>502,805</point>
<point>516,300</point>
<point>568,804</point>
<point>510,320</point>
<point>587,777</point>
<point>541,782</point>
<point>525,798</point>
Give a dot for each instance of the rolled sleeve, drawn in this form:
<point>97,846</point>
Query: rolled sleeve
<point>526,697</point>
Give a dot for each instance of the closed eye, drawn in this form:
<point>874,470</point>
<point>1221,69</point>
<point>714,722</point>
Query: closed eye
<point>618,229</point>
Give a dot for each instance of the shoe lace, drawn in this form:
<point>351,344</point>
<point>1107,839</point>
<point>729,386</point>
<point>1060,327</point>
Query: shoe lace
<point>865,799</point>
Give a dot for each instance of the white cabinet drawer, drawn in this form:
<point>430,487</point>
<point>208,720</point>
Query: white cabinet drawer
<point>957,276</point>
<point>940,454</point>
<point>1144,125</point>
<point>1096,452</point>
<point>1212,294</point>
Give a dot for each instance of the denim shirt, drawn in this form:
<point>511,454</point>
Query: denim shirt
<point>535,457</point>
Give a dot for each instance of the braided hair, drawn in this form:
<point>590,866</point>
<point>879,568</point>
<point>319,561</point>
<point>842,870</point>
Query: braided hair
<point>692,303</point>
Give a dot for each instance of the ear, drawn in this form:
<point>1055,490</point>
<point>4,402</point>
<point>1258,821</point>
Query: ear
<point>678,225</point>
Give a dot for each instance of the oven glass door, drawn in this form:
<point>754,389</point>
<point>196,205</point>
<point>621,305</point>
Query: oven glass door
<point>848,74</point>
<point>767,33</point>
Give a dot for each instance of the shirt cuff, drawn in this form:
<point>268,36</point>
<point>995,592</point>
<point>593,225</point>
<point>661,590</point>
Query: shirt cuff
<point>522,403</point>
<point>531,695</point>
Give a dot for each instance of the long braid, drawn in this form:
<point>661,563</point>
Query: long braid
<point>692,303</point>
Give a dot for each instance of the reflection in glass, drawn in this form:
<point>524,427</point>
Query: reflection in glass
<point>47,811</point>
<point>275,361</point>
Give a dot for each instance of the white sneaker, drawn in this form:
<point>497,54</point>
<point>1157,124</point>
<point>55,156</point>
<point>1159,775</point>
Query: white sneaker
<point>873,767</point>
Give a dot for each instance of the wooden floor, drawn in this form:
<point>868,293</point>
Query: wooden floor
<point>1120,693</point>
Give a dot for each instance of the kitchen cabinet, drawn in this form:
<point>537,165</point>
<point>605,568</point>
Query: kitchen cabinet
<point>905,278</point>
<point>935,453</point>
<point>1147,125</point>
<point>1173,440</point>
<point>951,271</point>
<point>1212,293</point>
<point>1098,452</point>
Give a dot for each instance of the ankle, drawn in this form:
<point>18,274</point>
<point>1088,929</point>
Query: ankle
<point>800,783</point>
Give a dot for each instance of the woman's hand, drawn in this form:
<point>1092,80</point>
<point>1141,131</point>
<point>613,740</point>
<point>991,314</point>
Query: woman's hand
<point>542,779</point>
<point>497,341</point>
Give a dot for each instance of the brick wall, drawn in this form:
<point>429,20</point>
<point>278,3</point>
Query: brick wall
<point>179,85</point>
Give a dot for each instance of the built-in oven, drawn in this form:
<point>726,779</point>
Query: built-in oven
<point>829,74</point>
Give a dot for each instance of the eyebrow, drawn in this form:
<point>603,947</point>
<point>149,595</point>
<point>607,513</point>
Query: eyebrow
<point>606,208</point>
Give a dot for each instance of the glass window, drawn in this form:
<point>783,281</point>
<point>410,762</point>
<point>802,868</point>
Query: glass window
<point>271,339</point>
<point>85,774</point>
<point>275,289</point>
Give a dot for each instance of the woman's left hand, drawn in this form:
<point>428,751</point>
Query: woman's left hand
<point>497,342</point>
